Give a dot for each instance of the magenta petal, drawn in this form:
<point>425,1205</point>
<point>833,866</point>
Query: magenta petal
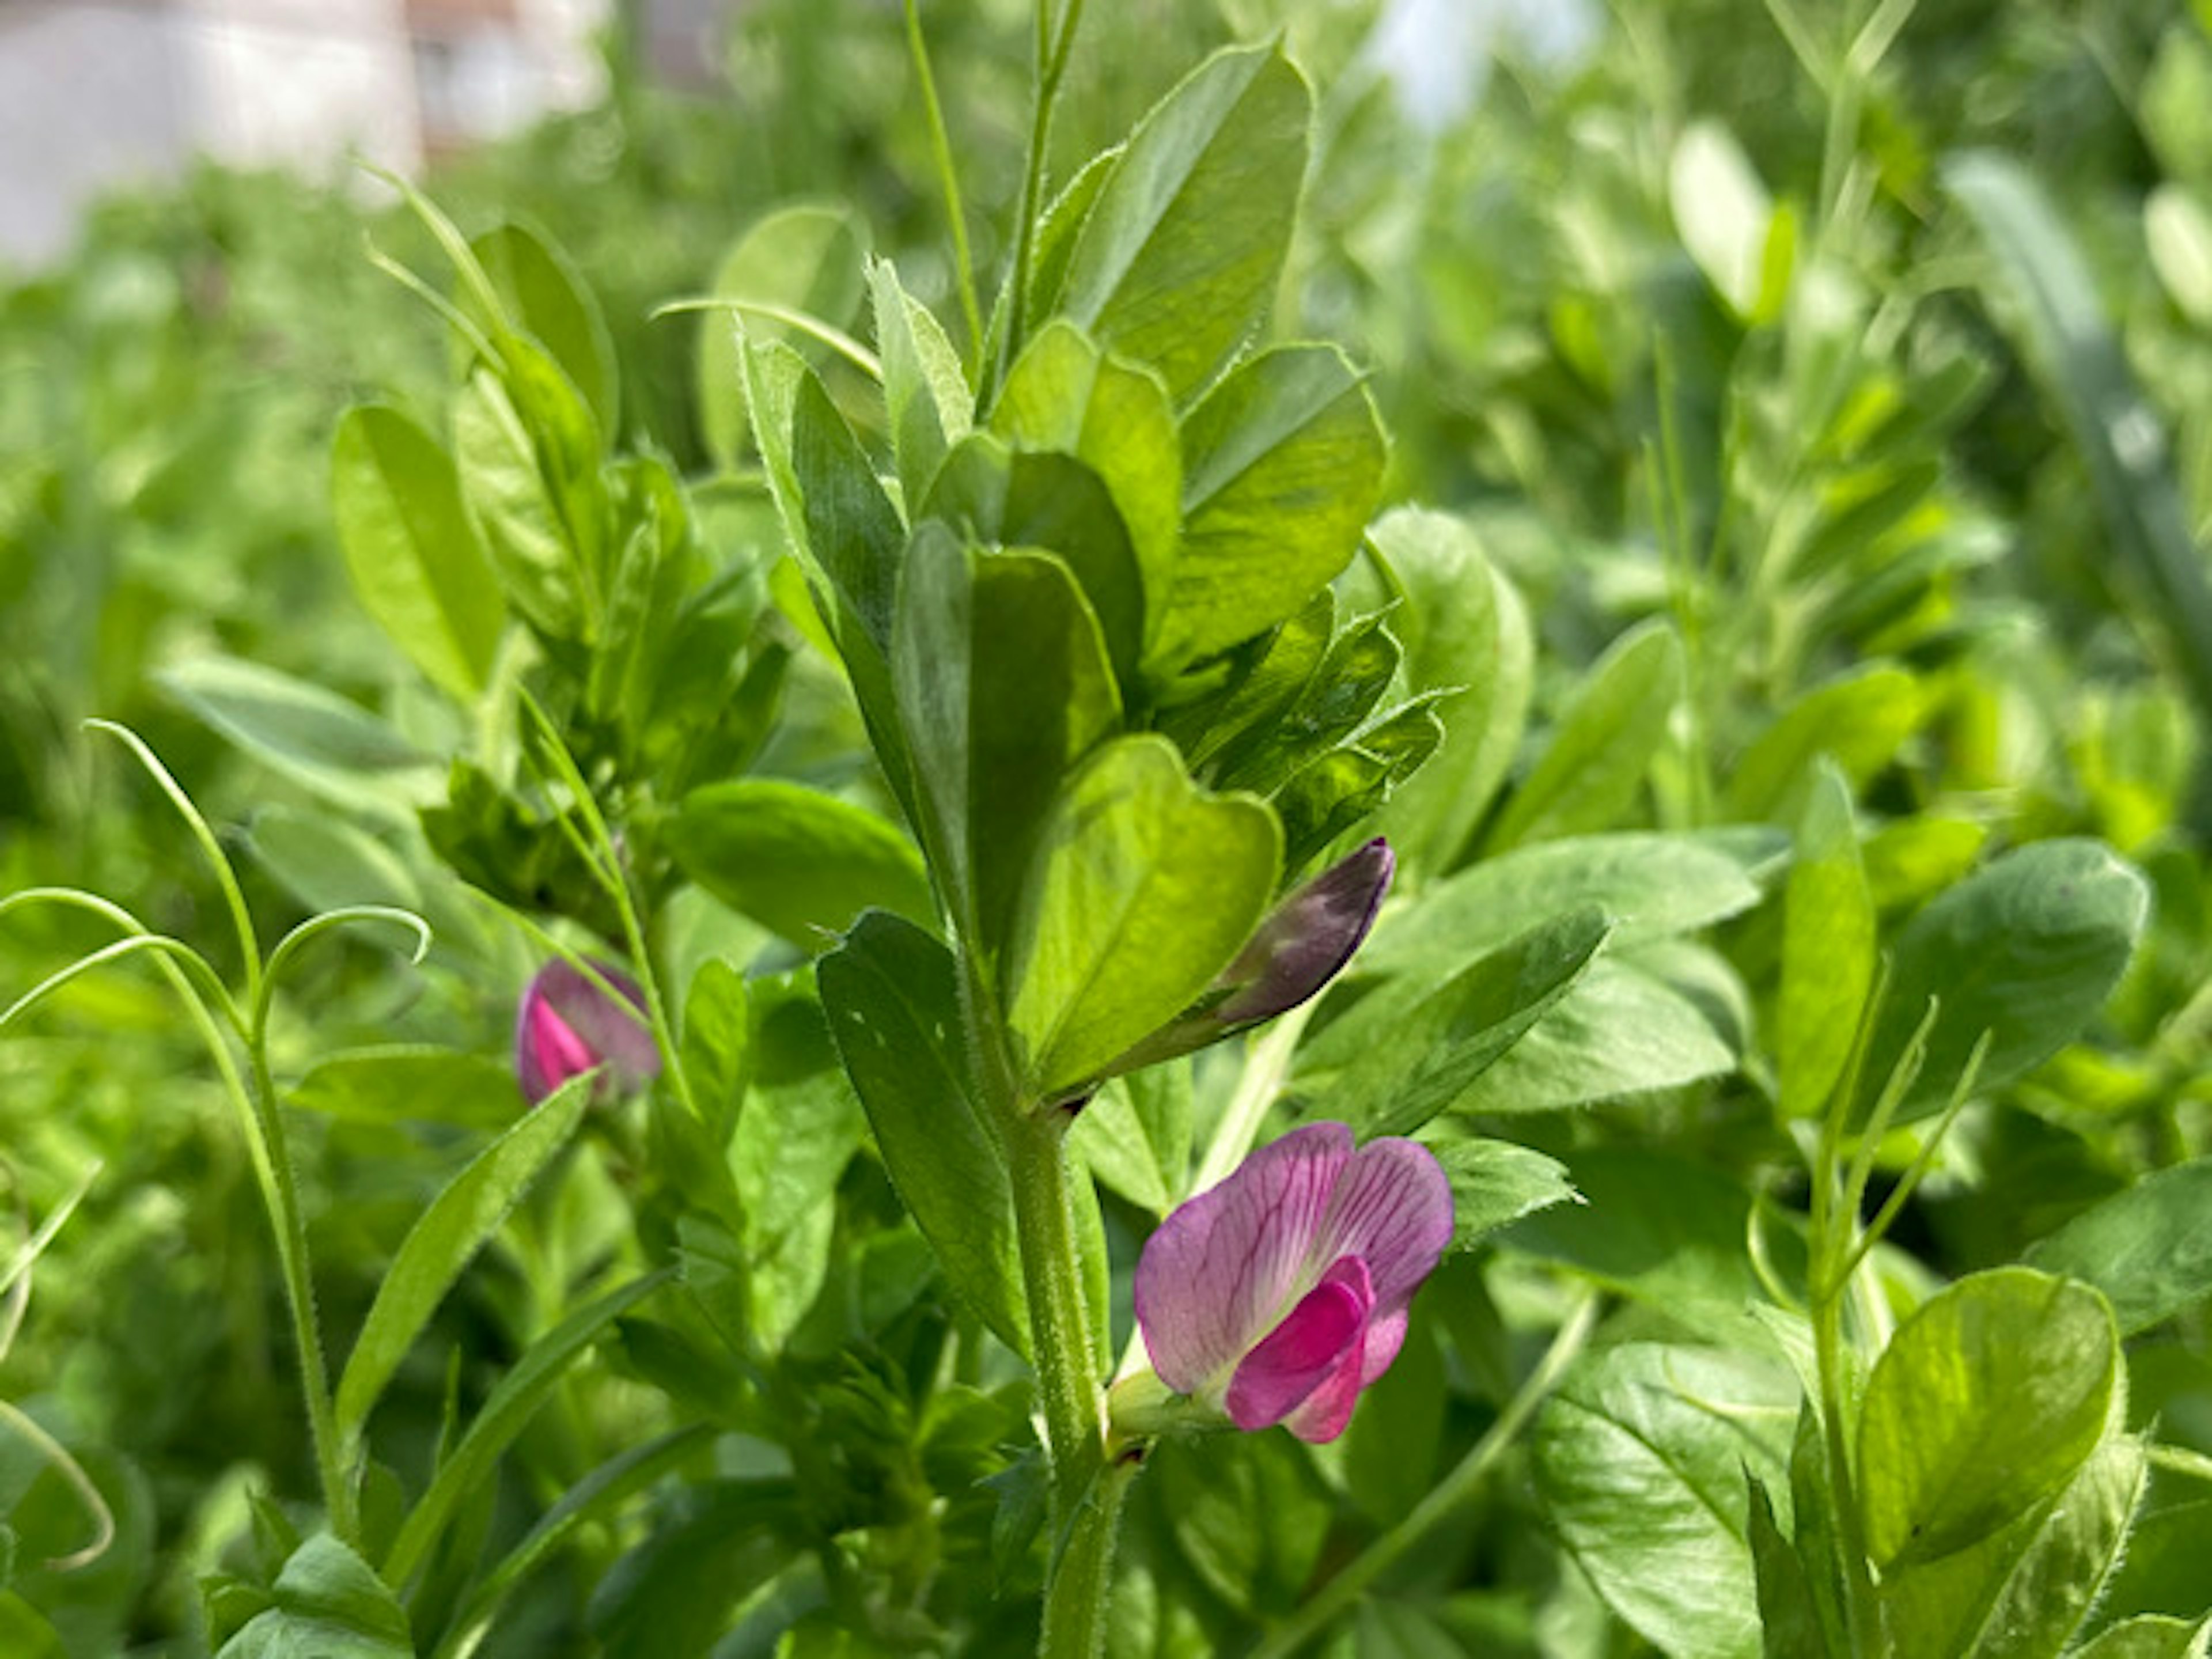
<point>1322,1416</point>
<point>1322,1337</point>
<point>567,1025</point>
<point>1219,1272</point>
<point>1393,1209</point>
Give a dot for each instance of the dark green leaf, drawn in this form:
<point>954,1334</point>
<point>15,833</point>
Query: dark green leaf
<point>328,1605</point>
<point>547,297</point>
<point>892,996</point>
<point>1495,1183</point>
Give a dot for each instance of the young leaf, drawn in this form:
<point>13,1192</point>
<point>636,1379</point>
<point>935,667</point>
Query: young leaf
<point>1987,1400</point>
<point>1602,746</point>
<point>1179,250</point>
<point>390,1085</point>
<point>2025,950</point>
<point>804,259</point>
<point>1858,720</point>
<point>795,860</point>
<point>2151,1636</point>
<point>1789,1619</point>
<point>412,550</point>
<point>1641,1457</point>
<point>1135,1135</point>
<point>1282,462</point>
<point>547,297</point>
<point>327,1603</point>
<point>926,397</point>
<point>1827,949</point>
<point>1495,1183</point>
<point>2148,1248</point>
<point>892,996</point>
<point>1142,889</point>
<point>458,1224</point>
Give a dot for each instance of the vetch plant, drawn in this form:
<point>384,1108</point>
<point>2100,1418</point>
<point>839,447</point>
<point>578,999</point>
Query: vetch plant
<point>1279,1295</point>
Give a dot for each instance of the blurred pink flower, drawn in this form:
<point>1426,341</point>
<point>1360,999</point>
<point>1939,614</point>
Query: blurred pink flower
<point>1282,1292</point>
<point>567,1025</point>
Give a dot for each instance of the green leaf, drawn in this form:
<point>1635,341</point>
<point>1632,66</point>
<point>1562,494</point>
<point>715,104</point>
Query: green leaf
<point>799,1127</point>
<point>412,549</point>
<point>1180,249</point>
<point>328,864</point>
<point>547,297</point>
<point>529,456</point>
<point>460,1220</point>
<point>504,1413</point>
<point>1495,1183</point>
<point>1135,1135</point>
<point>1722,212</point>
<point>1828,944</point>
<point>717,1043</point>
<point>1987,1399</point>
<point>2148,1248</point>
<point>1789,1620</point>
<point>1009,498</point>
<point>1248,1513</point>
<point>2021,1593</point>
<point>401,1084</point>
<point>1003,686</point>
<point>318,739</point>
<point>892,996</point>
<point>1653,886</point>
<point>1619,1030</point>
<point>2026,950</point>
<point>328,1605</point>
<point>806,257</point>
<point>2151,1636</point>
<point>26,1632</point>
<point>1282,462</point>
<point>795,860</point>
<point>1065,394</point>
<point>1464,632</point>
<point>1602,746</point>
<point>1411,1047</point>
<point>1142,889</point>
<point>926,397</point>
<point>1640,1458</point>
<point>1858,720</point>
<point>1653,1226</point>
<point>2059,320</point>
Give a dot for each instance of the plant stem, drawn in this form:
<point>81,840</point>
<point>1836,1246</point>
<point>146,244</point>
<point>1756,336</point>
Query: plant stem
<point>948,180</point>
<point>1069,1383</point>
<point>1052,53</point>
<point>1076,1600</point>
<point>1339,1595</point>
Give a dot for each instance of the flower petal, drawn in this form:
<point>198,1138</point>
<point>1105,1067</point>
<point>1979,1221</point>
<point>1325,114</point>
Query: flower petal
<point>1393,1209</point>
<point>1307,938</point>
<point>567,1025</point>
<point>1322,1416</point>
<point>1321,1342</point>
<point>1215,1277</point>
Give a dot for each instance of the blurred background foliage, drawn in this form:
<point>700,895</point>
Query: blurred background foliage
<point>1689,314</point>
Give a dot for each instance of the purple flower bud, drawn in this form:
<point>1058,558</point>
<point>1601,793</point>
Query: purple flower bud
<point>567,1026</point>
<point>1308,937</point>
<point>1302,945</point>
<point>1281,1293</point>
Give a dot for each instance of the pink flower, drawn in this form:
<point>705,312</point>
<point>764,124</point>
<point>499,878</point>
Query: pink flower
<point>1282,1292</point>
<point>567,1026</point>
